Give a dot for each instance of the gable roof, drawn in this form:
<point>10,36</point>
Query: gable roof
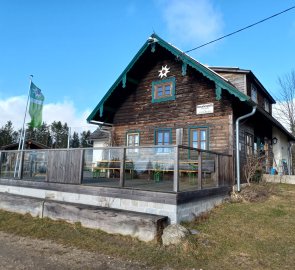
<point>277,124</point>
<point>153,41</point>
<point>245,71</point>
<point>98,134</point>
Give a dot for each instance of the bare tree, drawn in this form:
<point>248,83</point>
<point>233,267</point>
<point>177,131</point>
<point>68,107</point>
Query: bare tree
<point>285,107</point>
<point>253,166</point>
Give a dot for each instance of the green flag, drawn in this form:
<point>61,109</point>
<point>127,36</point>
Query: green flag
<point>36,106</point>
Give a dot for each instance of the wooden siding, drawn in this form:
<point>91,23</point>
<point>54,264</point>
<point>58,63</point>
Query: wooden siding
<point>260,95</point>
<point>243,82</point>
<point>64,166</point>
<point>225,170</point>
<point>137,112</point>
<point>237,79</point>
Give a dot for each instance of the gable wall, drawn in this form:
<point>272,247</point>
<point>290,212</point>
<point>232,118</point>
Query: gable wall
<point>138,112</point>
<point>237,79</point>
<point>260,95</point>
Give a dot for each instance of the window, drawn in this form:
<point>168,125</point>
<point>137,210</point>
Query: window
<point>253,93</point>
<point>163,90</point>
<point>199,138</point>
<point>163,137</point>
<point>249,144</point>
<point>266,105</point>
<point>133,139</point>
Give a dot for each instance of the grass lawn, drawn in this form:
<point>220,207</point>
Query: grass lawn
<point>256,235</point>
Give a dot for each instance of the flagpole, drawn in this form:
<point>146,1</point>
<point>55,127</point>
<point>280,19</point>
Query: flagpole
<point>23,132</point>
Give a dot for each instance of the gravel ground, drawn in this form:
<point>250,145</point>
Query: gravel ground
<point>25,253</point>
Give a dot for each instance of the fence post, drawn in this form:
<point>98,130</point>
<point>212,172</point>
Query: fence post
<point>217,170</point>
<point>122,168</point>
<point>199,170</point>
<point>81,167</point>
<point>176,170</point>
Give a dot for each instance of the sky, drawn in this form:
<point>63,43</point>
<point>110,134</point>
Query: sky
<point>76,49</point>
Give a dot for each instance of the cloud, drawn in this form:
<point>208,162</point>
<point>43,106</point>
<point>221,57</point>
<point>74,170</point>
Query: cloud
<point>192,22</point>
<point>13,109</point>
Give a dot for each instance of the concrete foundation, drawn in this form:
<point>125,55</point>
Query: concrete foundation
<point>21,205</point>
<point>176,212</point>
<point>286,179</point>
<point>145,227</point>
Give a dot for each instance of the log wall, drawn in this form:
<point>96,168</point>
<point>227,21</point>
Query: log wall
<point>137,112</point>
<point>237,79</point>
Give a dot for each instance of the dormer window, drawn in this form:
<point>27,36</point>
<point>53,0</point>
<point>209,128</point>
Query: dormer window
<point>253,93</point>
<point>266,105</point>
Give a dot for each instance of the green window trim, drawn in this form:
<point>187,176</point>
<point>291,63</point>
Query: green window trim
<point>155,84</point>
<point>162,130</point>
<point>162,150</point>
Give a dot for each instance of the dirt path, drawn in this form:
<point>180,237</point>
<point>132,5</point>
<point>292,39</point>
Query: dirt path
<point>25,253</point>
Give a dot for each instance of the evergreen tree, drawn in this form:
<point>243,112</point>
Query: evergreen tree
<point>30,133</point>
<point>7,135</point>
<point>84,140</point>
<point>59,133</point>
<point>75,141</point>
<point>43,135</point>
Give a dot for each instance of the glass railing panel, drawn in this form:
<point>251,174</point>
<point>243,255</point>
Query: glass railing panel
<point>101,166</point>
<point>35,165</point>
<point>150,168</point>
<point>188,169</point>
<point>8,164</point>
<point>209,176</point>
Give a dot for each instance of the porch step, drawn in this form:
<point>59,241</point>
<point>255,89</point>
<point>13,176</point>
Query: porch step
<point>145,227</point>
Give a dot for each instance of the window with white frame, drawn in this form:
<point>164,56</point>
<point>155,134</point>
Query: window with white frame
<point>133,139</point>
<point>253,93</point>
<point>249,144</point>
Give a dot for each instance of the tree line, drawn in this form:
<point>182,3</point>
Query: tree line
<point>53,136</point>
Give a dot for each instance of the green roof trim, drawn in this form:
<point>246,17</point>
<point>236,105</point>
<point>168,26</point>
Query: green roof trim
<point>117,82</point>
<point>211,75</point>
<point>220,83</point>
<point>218,91</point>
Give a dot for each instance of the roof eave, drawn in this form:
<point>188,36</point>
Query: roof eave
<point>220,82</point>
<point>116,83</point>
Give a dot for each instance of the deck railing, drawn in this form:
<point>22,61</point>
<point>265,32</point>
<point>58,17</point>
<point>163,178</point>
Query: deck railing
<point>160,168</point>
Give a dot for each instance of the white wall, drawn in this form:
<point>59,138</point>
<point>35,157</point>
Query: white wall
<point>280,149</point>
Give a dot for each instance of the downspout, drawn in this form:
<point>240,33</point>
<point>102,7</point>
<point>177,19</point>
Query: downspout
<point>237,145</point>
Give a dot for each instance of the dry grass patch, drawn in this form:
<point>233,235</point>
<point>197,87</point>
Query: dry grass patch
<point>255,234</point>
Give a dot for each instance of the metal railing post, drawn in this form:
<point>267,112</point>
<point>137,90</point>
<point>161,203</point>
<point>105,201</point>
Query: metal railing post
<point>199,170</point>
<point>176,170</point>
<point>122,168</point>
<point>217,170</point>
